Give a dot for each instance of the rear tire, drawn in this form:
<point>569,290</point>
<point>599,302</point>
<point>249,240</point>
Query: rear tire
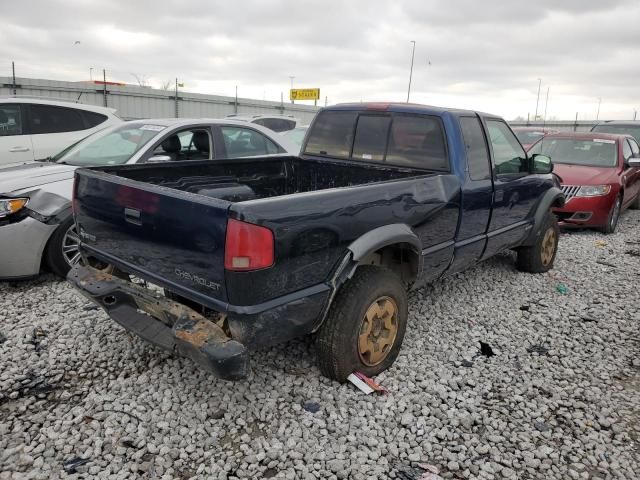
<point>365,325</point>
<point>62,250</point>
<point>539,257</point>
<point>614,216</point>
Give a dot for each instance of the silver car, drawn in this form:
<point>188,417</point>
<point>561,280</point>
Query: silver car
<point>36,224</point>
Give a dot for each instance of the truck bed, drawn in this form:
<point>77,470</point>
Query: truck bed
<point>249,179</point>
<point>167,222</point>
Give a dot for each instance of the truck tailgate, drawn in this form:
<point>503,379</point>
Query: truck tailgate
<point>172,238</point>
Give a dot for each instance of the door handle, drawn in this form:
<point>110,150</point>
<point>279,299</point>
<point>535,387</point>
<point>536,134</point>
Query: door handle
<point>19,149</point>
<point>131,215</point>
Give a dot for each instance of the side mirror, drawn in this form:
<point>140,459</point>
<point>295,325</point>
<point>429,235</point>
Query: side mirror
<point>541,163</point>
<point>633,162</point>
<point>159,159</point>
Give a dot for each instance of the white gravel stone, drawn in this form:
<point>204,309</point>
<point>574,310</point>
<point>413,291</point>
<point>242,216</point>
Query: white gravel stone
<point>560,398</point>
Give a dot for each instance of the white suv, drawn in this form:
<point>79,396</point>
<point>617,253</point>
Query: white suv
<point>34,129</point>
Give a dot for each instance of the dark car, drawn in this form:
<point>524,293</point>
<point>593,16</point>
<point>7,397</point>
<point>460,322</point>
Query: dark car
<point>250,253</point>
<point>600,176</point>
<point>620,127</point>
<point>528,136</point>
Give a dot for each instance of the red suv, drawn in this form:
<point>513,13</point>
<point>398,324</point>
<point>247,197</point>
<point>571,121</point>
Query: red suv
<point>600,176</point>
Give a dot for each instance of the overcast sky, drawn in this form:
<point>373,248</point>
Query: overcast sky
<point>485,55</point>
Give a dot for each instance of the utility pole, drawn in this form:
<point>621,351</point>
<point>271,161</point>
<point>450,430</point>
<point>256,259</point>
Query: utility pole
<point>176,99</point>
<point>104,87</point>
<point>236,104</point>
<point>545,105</point>
<point>13,76</point>
<point>291,78</point>
<point>326,100</point>
<point>598,112</point>
<point>91,74</point>
<point>575,125</point>
<point>535,117</point>
<point>413,53</point>
<point>635,113</point>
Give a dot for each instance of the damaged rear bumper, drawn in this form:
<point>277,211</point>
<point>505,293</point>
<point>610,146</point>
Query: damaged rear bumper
<point>163,322</point>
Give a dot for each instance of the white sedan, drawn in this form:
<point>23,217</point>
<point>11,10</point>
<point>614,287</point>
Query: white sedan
<point>35,198</point>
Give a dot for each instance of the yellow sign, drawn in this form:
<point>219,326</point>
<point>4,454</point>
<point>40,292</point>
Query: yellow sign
<point>304,94</point>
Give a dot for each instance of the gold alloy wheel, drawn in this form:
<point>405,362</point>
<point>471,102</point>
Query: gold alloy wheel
<point>548,247</point>
<point>378,331</point>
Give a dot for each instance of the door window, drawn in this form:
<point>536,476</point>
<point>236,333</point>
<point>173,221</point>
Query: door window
<point>190,144</point>
<point>508,155</point>
<point>51,119</point>
<point>10,120</point>
<point>476,147</point>
<point>246,142</point>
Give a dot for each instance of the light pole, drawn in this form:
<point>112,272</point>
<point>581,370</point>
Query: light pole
<point>545,105</point>
<point>598,112</point>
<point>291,78</point>
<point>413,53</point>
<point>535,117</point>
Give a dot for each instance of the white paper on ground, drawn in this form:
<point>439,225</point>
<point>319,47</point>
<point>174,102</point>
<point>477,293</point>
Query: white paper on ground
<point>360,384</point>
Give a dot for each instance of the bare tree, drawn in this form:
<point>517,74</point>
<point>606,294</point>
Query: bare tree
<point>141,80</point>
<point>165,85</point>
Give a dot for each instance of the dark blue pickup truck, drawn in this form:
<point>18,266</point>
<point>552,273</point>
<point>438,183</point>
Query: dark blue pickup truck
<point>211,258</point>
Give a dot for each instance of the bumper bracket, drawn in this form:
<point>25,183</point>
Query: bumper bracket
<point>163,322</point>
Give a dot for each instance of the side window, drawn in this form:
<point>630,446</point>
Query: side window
<point>10,119</point>
<point>626,150</point>
<point>634,147</point>
<point>476,147</point>
<point>508,155</point>
<point>93,119</point>
<point>371,138</point>
<point>245,142</point>
<point>417,142</point>
<point>191,144</point>
<point>51,119</point>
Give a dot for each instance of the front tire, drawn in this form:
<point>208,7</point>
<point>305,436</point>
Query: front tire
<point>614,216</point>
<point>539,257</point>
<point>365,325</point>
<point>63,248</point>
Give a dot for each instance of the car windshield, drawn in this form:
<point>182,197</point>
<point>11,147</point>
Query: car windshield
<point>528,137</point>
<point>571,151</point>
<point>296,135</point>
<point>633,130</point>
<point>111,146</point>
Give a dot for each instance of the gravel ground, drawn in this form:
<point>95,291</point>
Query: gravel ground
<point>558,399</point>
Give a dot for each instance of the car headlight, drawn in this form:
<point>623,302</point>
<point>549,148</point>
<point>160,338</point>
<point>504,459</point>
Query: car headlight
<point>11,205</point>
<point>593,190</point>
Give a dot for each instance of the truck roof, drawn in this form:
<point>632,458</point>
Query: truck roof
<point>401,107</point>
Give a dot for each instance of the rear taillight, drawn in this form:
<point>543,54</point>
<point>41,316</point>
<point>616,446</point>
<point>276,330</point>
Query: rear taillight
<point>247,247</point>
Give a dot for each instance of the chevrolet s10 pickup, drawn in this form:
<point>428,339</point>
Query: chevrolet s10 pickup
<point>210,259</point>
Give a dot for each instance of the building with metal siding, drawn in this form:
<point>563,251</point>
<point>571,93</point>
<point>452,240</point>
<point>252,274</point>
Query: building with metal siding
<point>134,102</point>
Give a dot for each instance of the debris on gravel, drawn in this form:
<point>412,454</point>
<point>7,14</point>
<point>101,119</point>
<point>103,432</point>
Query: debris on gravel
<point>558,398</point>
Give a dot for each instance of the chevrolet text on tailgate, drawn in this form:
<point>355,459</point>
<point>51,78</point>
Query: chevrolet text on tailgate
<point>253,252</point>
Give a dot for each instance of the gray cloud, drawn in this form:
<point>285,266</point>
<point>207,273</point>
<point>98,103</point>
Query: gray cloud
<point>485,55</point>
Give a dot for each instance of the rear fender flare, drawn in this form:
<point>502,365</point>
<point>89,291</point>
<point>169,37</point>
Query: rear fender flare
<point>363,247</point>
<point>552,198</point>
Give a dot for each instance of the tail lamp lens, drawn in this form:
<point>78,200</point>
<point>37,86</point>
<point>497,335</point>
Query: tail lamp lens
<point>247,247</point>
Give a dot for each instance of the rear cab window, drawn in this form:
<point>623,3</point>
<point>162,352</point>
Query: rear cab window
<point>405,140</point>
